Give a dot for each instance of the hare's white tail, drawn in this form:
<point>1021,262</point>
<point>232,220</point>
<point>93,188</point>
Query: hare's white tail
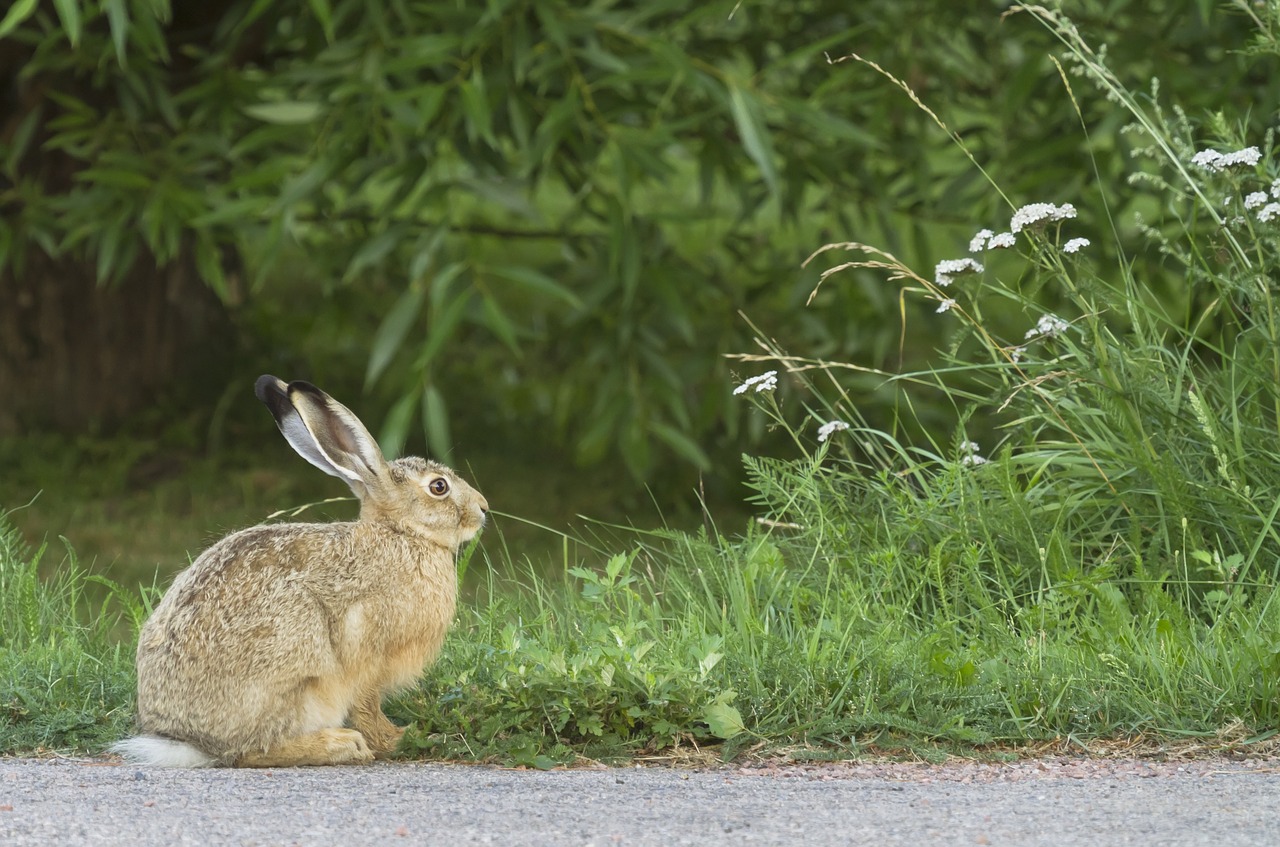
<point>161,752</point>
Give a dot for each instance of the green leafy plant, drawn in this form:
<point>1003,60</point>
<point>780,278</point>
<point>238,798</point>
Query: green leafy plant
<point>571,205</point>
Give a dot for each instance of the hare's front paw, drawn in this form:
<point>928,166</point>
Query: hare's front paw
<point>347,747</point>
<point>326,747</point>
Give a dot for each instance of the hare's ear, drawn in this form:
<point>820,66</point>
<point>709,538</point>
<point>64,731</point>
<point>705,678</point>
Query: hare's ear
<point>322,430</point>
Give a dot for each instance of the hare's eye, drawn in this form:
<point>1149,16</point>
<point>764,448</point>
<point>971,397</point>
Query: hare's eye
<point>438,486</point>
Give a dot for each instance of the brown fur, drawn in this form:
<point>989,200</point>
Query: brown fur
<point>279,637</point>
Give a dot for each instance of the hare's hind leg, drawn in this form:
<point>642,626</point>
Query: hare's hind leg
<point>381,734</point>
<point>325,747</point>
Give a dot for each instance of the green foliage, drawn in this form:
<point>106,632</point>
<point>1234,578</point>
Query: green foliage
<point>65,680</point>
<point>591,667</point>
<point>568,204</point>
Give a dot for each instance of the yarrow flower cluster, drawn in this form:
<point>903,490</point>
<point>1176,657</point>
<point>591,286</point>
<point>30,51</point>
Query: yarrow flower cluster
<point>948,269</point>
<point>979,241</point>
<point>1049,326</point>
<point>1028,216</point>
<point>1038,213</point>
<point>767,381</point>
<point>1257,202</point>
<point>1215,162</point>
<point>985,239</point>
<point>970,450</point>
<point>827,429</point>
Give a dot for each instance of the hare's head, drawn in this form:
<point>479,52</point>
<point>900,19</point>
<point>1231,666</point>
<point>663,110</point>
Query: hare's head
<point>417,495</point>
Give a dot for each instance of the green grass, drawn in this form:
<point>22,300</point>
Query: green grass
<point>834,639</point>
<point>66,678</point>
<point>769,641</point>
<point>1108,571</point>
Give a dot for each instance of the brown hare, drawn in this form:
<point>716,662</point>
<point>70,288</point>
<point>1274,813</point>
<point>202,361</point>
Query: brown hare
<point>277,645</point>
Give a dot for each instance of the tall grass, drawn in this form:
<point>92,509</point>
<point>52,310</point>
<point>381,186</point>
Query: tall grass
<point>886,622</point>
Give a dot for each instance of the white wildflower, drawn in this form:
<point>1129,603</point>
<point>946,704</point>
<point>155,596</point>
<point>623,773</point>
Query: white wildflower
<point>1049,326</point>
<point>948,269</point>
<point>970,450</point>
<point>1075,244</point>
<point>1003,240</point>
<point>825,431</point>
<point>1268,212</point>
<point>1255,199</point>
<point>1215,162</point>
<point>1275,189</point>
<point>1037,213</point>
<point>979,241</point>
<point>945,306</point>
<point>1209,160</point>
<point>1016,354</point>
<point>765,382</point>
<point>1249,157</point>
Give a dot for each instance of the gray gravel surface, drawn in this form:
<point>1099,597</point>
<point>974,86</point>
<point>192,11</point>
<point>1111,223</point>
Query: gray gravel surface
<point>1056,802</point>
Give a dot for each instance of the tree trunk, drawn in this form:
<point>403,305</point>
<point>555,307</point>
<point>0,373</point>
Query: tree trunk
<point>76,356</point>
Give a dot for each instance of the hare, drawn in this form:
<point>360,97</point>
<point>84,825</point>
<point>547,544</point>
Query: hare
<point>276,646</point>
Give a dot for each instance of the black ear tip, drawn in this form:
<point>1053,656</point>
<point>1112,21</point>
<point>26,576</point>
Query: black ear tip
<point>267,387</point>
<point>303,387</point>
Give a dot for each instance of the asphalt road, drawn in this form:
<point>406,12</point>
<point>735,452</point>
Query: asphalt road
<point>70,802</point>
